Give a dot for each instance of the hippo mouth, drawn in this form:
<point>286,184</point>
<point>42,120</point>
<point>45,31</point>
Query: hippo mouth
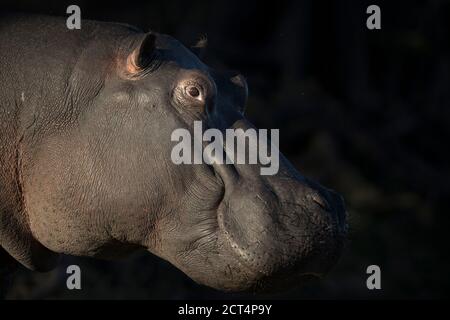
<point>274,238</point>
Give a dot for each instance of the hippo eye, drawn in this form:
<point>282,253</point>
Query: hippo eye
<point>194,91</point>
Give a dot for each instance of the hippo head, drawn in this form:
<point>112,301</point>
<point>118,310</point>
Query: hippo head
<point>106,185</point>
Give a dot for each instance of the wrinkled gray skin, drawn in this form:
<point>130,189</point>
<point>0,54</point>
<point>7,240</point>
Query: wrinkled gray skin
<point>85,169</point>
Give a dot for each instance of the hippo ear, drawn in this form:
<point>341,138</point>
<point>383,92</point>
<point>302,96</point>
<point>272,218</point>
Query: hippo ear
<point>142,57</point>
<point>199,48</point>
<point>240,84</point>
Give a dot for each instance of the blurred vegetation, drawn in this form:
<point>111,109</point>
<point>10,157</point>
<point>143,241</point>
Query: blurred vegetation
<point>363,112</point>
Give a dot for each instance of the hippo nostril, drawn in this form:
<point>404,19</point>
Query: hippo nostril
<point>319,200</point>
<point>333,203</point>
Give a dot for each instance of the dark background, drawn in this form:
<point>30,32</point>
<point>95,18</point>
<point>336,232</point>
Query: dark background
<point>365,112</point>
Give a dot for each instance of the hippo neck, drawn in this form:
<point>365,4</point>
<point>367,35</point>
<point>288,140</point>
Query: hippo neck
<point>48,75</point>
<point>15,236</point>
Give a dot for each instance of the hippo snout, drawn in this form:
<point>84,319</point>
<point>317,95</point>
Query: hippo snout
<point>282,231</point>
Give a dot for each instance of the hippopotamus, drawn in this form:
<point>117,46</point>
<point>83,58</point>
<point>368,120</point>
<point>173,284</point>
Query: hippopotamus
<point>85,169</point>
